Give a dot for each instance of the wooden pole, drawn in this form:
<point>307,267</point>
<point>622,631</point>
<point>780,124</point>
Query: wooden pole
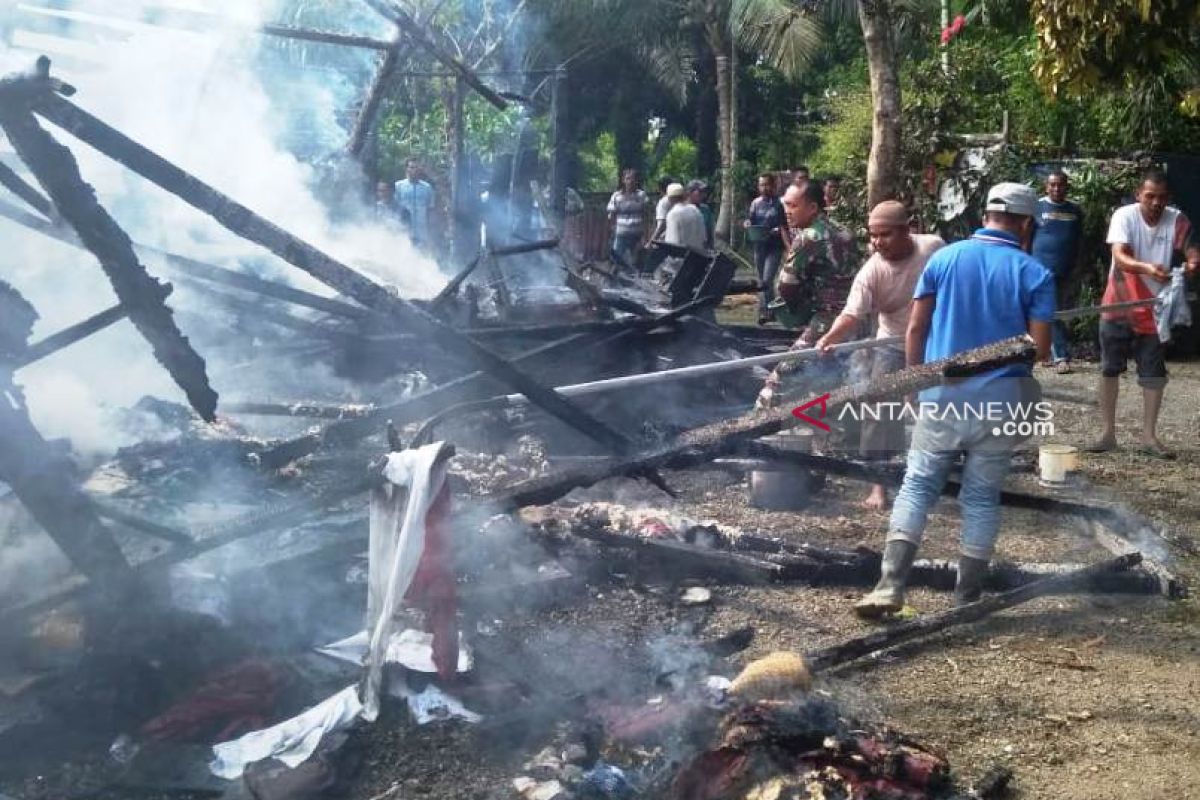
<point>827,658</point>
<point>381,84</point>
<point>244,222</point>
<point>69,336</point>
<point>325,37</point>
<point>416,32</point>
<point>140,294</point>
<point>702,445</point>
<point>17,185</point>
<point>563,151</point>
<point>459,203</point>
<point>183,266</point>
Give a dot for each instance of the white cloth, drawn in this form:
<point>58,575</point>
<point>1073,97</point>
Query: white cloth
<point>432,704</point>
<point>397,544</point>
<point>411,649</point>
<point>1153,245</point>
<point>292,741</point>
<point>685,226</point>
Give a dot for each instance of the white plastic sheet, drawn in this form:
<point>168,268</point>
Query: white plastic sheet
<point>411,649</point>
<point>292,741</point>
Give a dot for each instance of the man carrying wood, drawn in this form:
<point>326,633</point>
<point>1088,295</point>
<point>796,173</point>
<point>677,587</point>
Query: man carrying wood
<point>882,293</point>
<point>972,293</point>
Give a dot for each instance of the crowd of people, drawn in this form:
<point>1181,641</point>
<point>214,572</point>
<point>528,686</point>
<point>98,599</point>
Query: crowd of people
<point>932,300</point>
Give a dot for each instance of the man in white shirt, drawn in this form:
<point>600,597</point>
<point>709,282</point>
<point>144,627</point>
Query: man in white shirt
<point>414,197</point>
<point>882,292</point>
<point>664,205</point>
<point>685,222</point>
<point>1147,238</point>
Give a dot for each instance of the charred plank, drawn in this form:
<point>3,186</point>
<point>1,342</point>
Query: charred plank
<point>702,445</point>
<point>244,222</point>
<point>140,294</point>
<point>827,658</point>
<point>17,185</point>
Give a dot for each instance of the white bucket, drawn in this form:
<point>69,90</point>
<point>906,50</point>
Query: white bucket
<point>1055,461</point>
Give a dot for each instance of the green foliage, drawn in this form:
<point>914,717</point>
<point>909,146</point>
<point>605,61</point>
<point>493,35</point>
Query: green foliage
<point>679,160</point>
<point>846,137</point>
<point>598,168</point>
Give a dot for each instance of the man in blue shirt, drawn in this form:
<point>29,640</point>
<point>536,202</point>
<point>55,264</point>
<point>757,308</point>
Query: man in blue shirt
<point>972,293</point>
<point>414,197</point>
<point>1056,245</point>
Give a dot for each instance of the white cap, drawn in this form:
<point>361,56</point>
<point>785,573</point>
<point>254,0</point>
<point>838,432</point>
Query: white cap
<point>1012,198</point>
<point>675,190</point>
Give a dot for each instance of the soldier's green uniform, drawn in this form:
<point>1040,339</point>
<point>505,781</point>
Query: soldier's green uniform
<point>819,251</point>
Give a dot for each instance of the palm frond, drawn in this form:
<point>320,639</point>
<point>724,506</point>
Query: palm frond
<point>672,64</point>
<point>782,33</point>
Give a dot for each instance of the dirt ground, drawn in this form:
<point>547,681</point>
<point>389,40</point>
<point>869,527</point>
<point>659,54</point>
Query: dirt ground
<point>1082,696</point>
<point>1085,697</point>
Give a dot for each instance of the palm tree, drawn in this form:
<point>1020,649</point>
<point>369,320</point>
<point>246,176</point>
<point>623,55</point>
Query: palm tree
<point>782,31</point>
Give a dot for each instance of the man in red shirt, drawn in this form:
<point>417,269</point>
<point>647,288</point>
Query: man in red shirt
<point>1147,237</point>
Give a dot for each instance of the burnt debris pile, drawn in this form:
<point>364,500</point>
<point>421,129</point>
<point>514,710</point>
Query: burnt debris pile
<point>245,596</point>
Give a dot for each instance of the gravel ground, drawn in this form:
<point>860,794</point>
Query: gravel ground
<point>1084,697</point>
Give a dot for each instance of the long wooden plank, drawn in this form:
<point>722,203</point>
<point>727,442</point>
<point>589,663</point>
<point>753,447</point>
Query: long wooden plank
<point>244,222</point>
<point>140,294</point>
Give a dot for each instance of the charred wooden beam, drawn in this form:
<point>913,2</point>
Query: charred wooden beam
<point>299,253</point>
<point>470,386</point>
<point>69,336</point>
<point>683,559</point>
<point>381,84</point>
<point>1105,532</point>
<point>827,658</point>
<point>17,185</point>
<point>43,482</point>
<point>417,33</point>
<point>324,37</point>
<point>190,267</point>
<point>451,288</point>
<point>140,294</point>
<point>145,526</point>
<point>309,410</point>
<point>702,445</point>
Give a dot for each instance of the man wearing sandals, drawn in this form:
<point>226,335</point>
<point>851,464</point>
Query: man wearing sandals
<point>1147,237</point>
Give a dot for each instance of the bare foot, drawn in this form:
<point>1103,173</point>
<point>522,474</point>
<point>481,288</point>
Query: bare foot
<point>876,500</point>
<point>1153,447</point>
<point>1102,445</point>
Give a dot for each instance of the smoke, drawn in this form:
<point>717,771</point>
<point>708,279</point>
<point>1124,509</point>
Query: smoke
<point>223,103</point>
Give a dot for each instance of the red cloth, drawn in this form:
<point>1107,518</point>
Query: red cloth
<point>434,588</point>
<point>232,702</point>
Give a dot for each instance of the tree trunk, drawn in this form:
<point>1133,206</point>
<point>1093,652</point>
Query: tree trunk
<point>718,42</point>
<point>883,166</point>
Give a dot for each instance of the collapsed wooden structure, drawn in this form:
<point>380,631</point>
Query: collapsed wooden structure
<point>69,212</point>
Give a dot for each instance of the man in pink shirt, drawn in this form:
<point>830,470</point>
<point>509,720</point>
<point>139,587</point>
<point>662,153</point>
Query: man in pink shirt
<point>882,294</point>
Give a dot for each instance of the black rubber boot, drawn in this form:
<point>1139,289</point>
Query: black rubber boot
<point>888,595</point>
<point>969,586</point>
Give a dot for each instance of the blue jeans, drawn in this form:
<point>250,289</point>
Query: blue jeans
<point>766,263</point>
<point>1060,348</point>
<point>624,249</point>
<point>935,448</point>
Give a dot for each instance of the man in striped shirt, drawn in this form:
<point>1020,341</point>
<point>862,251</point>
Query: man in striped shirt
<point>627,213</point>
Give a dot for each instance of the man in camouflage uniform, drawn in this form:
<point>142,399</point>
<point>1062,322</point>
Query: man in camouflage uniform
<point>820,250</point>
